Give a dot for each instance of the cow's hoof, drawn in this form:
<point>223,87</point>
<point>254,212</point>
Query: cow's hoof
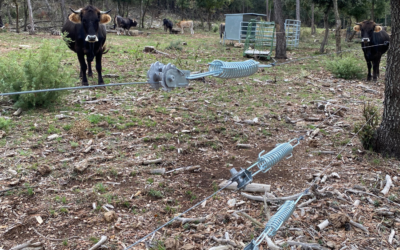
<point>85,84</point>
<point>90,75</point>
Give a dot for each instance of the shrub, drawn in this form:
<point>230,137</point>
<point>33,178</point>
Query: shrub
<point>346,67</point>
<point>4,123</point>
<point>175,45</point>
<point>215,29</point>
<point>367,133</point>
<point>40,68</point>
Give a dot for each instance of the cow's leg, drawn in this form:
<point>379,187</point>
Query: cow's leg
<point>81,58</point>
<point>369,70</point>
<point>375,69</point>
<point>98,67</point>
<point>89,64</point>
<point>191,31</point>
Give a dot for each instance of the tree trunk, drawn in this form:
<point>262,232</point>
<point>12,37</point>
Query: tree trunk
<point>32,29</point>
<point>372,10</point>
<point>9,14</point>
<point>266,12</point>
<point>298,10</point>
<point>90,2</point>
<point>313,30</point>
<point>338,27</point>
<point>280,48</point>
<point>388,136</point>
<point>17,21</point>
<point>25,16</point>
<point>209,20</point>
<point>63,11</point>
<point>324,42</point>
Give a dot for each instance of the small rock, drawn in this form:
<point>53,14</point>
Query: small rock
<point>184,43</point>
<point>18,112</point>
<point>331,244</point>
<point>231,202</point>
<point>110,216</point>
<point>44,169</point>
<point>81,166</point>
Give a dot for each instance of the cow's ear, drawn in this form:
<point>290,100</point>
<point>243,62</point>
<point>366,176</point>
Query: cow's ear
<point>75,18</point>
<point>356,28</point>
<point>105,18</point>
<point>378,28</point>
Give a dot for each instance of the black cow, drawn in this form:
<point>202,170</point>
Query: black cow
<point>1,23</point>
<point>124,23</point>
<point>87,31</point>
<point>374,43</point>
<point>168,25</point>
<point>221,31</point>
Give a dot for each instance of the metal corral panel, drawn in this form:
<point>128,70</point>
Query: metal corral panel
<point>234,22</point>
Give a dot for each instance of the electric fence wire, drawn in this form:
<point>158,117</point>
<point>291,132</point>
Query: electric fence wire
<point>173,219</point>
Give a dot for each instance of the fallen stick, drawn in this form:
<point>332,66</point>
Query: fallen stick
<point>152,161</point>
<point>183,169</point>
<point>221,248</point>
<point>223,241</point>
<point>244,146</point>
<point>260,198</point>
<point>323,225</point>
<point>160,171</point>
<point>307,245</point>
<point>160,52</point>
<point>359,226</point>
<point>22,245</point>
<point>389,183</point>
<point>252,187</point>
<point>98,244</point>
<point>252,219</point>
<point>187,220</point>
<point>34,229</point>
<point>306,203</point>
<point>391,236</point>
<point>271,244</point>
<point>362,192</point>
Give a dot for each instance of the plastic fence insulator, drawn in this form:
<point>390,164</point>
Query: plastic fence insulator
<point>277,220</point>
<point>228,70</point>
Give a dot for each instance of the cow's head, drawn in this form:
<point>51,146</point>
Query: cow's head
<point>367,29</point>
<point>179,24</point>
<point>165,21</point>
<point>133,22</point>
<point>90,18</point>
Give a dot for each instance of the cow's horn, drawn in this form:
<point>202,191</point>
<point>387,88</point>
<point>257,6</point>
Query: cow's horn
<point>76,12</point>
<point>105,12</point>
<point>357,23</point>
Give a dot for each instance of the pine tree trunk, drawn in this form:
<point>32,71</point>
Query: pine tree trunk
<point>9,14</point>
<point>208,20</point>
<point>32,29</point>
<point>388,135</point>
<point>280,48</point>
<point>298,10</point>
<point>338,27</point>
<point>25,16</point>
<point>324,42</point>
<point>313,30</point>
<point>17,21</point>
<point>63,11</point>
<point>266,10</point>
<point>372,10</point>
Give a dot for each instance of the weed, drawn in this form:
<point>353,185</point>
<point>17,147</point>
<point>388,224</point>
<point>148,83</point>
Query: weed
<point>74,144</point>
<point>94,240</point>
<point>65,242</point>
<point>4,123</point>
<point>191,195</point>
<point>100,188</point>
<point>175,45</point>
<point>29,189</point>
<point>155,193</point>
<point>63,210</point>
<point>150,180</point>
<point>366,133</point>
<point>346,67</point>
<point>377,203</point>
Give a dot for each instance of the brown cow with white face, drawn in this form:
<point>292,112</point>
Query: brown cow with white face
<point>374,43</point>
<point>87,31</point>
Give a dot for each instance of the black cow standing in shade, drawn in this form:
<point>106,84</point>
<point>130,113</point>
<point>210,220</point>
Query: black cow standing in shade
<point>124,23</point>
<point>374,43</point>
<point>1,23</point>
<point>168,25</point>
<point>87,31</point>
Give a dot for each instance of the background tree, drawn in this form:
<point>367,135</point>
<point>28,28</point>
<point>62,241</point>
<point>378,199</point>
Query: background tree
<point>32,28</point>
<point>338,26</point>
<point>280,48</point>
<point>387,135</point>
<point>297,9</point>
<point>209,6</point>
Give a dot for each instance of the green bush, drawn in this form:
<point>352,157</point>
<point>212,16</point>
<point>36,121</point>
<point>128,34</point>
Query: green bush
<point>175,45</point>
<point>215,29</point>
<point>367,132</point>
<point>40,68</point>
<point>346,67</point>
<point>4,123</point>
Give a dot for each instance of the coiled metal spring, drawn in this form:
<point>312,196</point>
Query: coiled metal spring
<point>281,216</point>
<point>265,162</point>
<point>226,70</point>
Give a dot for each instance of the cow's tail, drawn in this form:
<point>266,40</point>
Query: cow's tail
<point>105,50</point>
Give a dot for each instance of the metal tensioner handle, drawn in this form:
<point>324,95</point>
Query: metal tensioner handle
<point>264,163</point>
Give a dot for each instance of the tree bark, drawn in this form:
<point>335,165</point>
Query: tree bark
<point>324,42</point>
<point>298,10</point>
<point>32,29</point>
<point>266,12</point>
<point>17,21</point>
<point>338,27</point>
<point>209,20</point>
<point>63,11</point>
<point>372,10</point>
<point>25,16</point>
<point>313,30</point>
<point>280,48</point>
<point>9,14</point>
<point>388,136</point>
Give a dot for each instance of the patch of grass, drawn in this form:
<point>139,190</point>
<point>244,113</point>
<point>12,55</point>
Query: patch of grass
<point>4,123</point>
<point>150,180</point>
<point>191,195</point>
<point>155,193</point>
<point>63,210</point>
<point>94,240</point>
<point>74,144</point>
<point>100,188</point>
<point>175,45</point>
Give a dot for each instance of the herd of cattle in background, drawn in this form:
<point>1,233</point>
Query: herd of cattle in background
<point>86,29</point>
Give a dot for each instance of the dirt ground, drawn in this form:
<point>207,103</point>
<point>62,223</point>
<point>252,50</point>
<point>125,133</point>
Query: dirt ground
<point>56,190</point>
